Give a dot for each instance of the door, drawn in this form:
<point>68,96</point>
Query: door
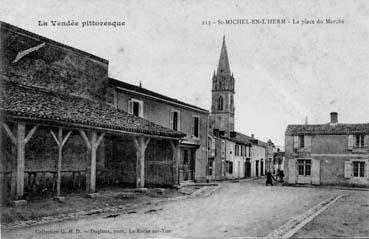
<point>247,168</point>
<point>257,168</point>
<point>261,167</point>
<point>238,169</point>
<point>188,164</point>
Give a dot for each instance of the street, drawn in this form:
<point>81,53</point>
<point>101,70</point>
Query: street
<point>243,209</point>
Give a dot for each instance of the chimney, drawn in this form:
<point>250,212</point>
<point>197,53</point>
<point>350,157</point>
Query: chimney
<point>233,134</point>
<point>334,118</point>
<point>252,135</point>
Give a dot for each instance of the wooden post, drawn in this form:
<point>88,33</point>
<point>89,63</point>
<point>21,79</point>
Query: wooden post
<point>176,155</point>
<point>19,140</point>
<point>92,145</point>
<point>60,142</point>
<point>19,175</point>
<point>141,145</point>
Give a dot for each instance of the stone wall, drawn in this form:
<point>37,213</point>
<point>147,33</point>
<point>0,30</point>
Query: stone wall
<point>52,65</point>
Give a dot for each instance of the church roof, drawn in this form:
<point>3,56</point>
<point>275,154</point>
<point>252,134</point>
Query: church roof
<point>223,65</point>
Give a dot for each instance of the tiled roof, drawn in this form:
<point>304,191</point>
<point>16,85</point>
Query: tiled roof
<point>240,138</point>
<point>333,129</point>
<point>41,104</point>
<point>151,93</point>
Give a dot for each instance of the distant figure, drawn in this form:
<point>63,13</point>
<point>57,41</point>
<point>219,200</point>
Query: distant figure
<point>270,179</point>
<point>281,175</point>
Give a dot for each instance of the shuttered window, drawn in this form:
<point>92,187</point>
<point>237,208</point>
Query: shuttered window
<point>304,167</point>
<point>359,141</point>
<point>174,120</point>
<point>195,126</point>
<point>135,107</point>
<point>359,167</point>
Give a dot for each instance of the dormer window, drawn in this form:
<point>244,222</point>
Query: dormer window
<point>135,107</point>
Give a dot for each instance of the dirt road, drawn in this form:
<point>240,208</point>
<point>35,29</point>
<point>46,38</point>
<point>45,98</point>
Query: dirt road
<point>236,210</point>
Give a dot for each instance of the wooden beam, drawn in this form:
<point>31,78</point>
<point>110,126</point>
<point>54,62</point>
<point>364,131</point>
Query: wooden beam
<point>93,161</point>
<point>30,134</point>
<point>140,144</point>
<point>92,146</point>
<point>84,136</point>
<point>176,156</point>
<point>147,141</point>
<point>54,136</point>
<point>60,141</point>
<point>17,183</point>
<point>99,140</point>
<point>60,155</point>
<point>135,141</point>
<point>76,126</point>
<point>10,133</point>
<point>66,138</point>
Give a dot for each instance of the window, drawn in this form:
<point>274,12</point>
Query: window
<point>220,103</point>
<point>196,126</point>
<point>359,141</point>
<point>236,146</point>
<point>185,156</point>
<point>135,107</point>
<point>358,169</point>
<point>301,140</point>
<point>222,152</point>
<point>174,120</point>
<point>230,167</point>
<point>304,167</point>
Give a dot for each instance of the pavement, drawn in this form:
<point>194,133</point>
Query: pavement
<point>241,209</point>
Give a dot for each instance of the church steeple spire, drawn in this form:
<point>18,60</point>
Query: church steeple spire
<point>223,65</point>
<point>222,101</point>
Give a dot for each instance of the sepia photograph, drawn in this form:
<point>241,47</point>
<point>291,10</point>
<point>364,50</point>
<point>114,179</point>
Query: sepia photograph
<point>184,119</point>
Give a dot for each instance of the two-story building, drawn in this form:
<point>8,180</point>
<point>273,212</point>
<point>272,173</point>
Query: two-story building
<point>174,114</point>
<point>258,156</point>
<point>331,153</point>
<point>278,160</point>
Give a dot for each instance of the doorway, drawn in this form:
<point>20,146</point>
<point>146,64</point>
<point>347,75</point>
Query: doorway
<point>247,168</point>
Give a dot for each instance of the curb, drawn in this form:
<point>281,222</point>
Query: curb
<point>288,229</point>
<point>328,187</point>
<point>115,209</point>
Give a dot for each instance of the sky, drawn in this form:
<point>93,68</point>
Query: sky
<point>283,73</point>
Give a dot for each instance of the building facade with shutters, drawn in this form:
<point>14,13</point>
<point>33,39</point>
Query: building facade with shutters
<point>332,153</point>
<point>173,114</point>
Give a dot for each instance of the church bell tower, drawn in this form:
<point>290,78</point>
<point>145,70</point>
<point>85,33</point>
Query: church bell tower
<point>222,103</point>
